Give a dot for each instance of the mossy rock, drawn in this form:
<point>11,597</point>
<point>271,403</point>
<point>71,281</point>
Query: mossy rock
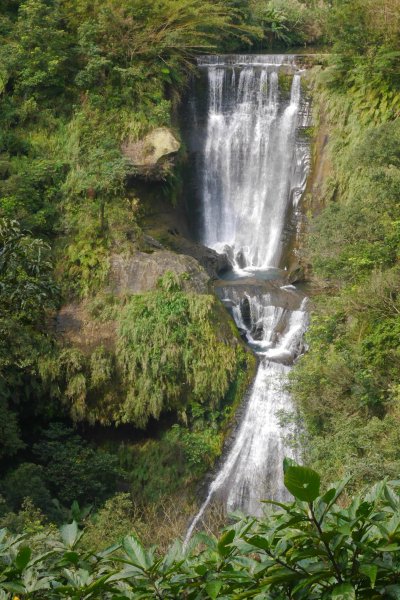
<point>150,157</point>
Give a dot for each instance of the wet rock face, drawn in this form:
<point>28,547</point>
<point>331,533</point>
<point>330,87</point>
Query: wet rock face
<point>74,325</point>
<point>213,262</point>
<point>151,156</point>
<point>140,272</point>
<point>135,274</point>
<point>298,274</point>
<point>245,310</point>
<point>278,292</point>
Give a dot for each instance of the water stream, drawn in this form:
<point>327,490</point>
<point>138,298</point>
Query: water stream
<point>253,163</point>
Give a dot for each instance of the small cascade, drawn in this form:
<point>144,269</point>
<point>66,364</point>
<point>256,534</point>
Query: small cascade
<point>254,464</point>
<point>252,469</point>
<point>252,173</point>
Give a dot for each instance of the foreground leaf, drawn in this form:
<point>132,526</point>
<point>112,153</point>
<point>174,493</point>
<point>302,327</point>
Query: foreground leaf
<point>303,483</point>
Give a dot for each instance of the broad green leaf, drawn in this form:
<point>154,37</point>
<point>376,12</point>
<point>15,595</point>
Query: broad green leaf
<point>23,557</point>
<point>174,554</point>
<point>71,557</point>
<point>283,576</point>
<point>127,573</point>
<point>389,548</point>
<point>288,462</point>
<point>329,496</point>
<point>70,534</point>
<point>375,492</point>
<point>259,542</point>
<point>14,586</point>
<point>303,483</point>
<point>98,583</point>
<point>392,498</point>
<point>201,569</point>
<point>136,552</point>
<point>75,511</point>
<point>344,591</point>
<point>371,572</point>
<point>394,525</point>
<point>213,588</point>
<point>225,541</point>
<point>364,509</point>
<point>109,550</point>
<point>307,581</point>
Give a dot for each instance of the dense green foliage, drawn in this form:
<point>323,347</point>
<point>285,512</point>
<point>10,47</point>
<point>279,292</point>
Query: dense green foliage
<point>27,291</point>
<point>78,79</point>
<point>288,23</point>
<point>186,359</point>
<point>311,548</point>
<point>65,469</point>
<point>347,384</point>
<point>194,359</point>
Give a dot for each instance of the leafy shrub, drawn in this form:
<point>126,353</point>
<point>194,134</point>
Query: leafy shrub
<point>288,22</point>
<point>346,385</point>
<point>312,548</point>
<point>172,350</point>
<point>27,287</point>
<point>28,293</point>
<point>178,459</point>
<point>368,179</point>
<point>111,523</point>
<point>73,470</point>
<point>27,481</point>
<point>31,191</point>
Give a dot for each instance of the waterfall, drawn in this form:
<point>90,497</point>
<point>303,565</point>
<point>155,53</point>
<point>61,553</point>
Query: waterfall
<point>253,163</point>
<point>254,166</point>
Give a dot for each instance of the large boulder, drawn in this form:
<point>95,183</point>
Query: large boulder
<point>76,326</point>
<point>140,272</point>
<point>151,156</point>
<point>213,262</point>
<point>129,274</point>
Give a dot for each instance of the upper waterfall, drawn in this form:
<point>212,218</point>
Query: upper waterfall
<point>262,60</point>
<point>254,166</point>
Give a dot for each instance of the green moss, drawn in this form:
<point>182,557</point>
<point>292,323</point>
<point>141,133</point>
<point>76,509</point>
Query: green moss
<point>308,132</point>
<point>285,82</point>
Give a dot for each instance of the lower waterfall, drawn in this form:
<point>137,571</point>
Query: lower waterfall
<point>252,170</point>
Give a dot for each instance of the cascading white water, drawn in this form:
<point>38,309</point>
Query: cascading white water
<point>254,172</point>
<point>252,469</point>
<point>253,162</point>
<point>254,463</point>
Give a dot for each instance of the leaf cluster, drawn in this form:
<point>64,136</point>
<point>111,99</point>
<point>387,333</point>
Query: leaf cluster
<point>312,547</point>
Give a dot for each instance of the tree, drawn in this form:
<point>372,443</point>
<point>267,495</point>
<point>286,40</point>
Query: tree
<point>27,481</point>
<point>73,470</point>
<point>27,287</point>
<point>27,293</point>
<point>38,56</point>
